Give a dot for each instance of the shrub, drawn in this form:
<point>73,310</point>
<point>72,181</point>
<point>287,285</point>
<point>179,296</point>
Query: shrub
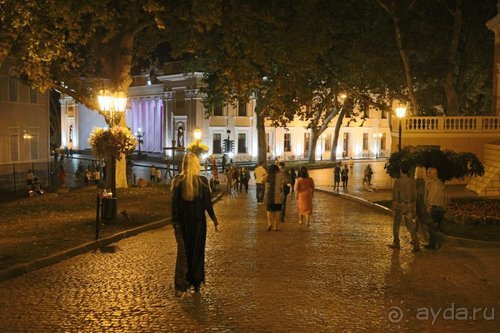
<point>449,164</point>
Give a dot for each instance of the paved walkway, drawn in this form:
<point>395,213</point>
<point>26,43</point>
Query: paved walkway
<point>336,276</point>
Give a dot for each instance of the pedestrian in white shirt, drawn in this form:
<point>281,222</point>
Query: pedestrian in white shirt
<point>259,174</point>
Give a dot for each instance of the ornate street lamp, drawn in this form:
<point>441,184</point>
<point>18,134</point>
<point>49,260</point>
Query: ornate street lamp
<point>139,134</point>
<point>115,104</point>
<point>400,113</point>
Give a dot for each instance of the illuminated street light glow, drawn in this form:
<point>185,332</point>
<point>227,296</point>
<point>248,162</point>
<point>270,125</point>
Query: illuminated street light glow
<point>197,134</point>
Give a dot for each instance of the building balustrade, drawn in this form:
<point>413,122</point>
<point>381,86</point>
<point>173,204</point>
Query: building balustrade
<point>449,124</point>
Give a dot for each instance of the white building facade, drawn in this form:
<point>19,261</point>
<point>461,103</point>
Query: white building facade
<point>173,108</point>
<point>24,129</point>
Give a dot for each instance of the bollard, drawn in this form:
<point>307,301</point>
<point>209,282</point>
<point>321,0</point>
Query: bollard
<point>14,168</point>
<point>97,216</point>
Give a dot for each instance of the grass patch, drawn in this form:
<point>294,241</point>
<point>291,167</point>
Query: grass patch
<point>35,227</point>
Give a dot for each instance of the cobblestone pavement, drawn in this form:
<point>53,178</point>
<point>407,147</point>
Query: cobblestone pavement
<point>336,276</point>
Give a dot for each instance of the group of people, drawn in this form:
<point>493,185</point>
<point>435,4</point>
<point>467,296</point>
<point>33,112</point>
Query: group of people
<point>340,174</point>
<point>92,175</point>
<point>237,179</point>
<point>419,203</point>
<point>191,198</point>
<point>273,187</point>
<point>33,184</point>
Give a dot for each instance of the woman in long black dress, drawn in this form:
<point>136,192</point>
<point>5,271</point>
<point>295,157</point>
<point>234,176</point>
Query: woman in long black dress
<point>190,199</point>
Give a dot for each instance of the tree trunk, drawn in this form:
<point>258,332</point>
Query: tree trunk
<point>261,136</point>
<point>312,145</point>
<point>450,85</point>
<point>119,66</point>
<point>406,64</point>
<point>338,125</point>
<point>121,165</point>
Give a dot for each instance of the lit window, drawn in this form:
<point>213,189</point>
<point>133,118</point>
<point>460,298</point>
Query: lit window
<point>217,143</point>
<point>383,142</point>
<point>34,143</point>
<point>328,142</point>
<point>365,141</point>
<point>13,89</point>
<point>33,96</point>
<point>14,144</point>
<point>242,143</point>
<point>218,109</point>
<point>287,142</point>
<point>307,139</point>
<point>242,109</point>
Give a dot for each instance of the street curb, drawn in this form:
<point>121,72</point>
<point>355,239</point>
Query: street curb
<point>86,247</point>
<point>448,239</point>
<point>380,208</point>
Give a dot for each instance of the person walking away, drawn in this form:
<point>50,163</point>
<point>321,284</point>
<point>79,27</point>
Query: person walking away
<point>304,187</point>
<point>351,163</point>
<point>158,175</point>
<point>286,189</point>
<point>344,175</point>
<point>87,177</point>
<point>435,206</point>
<point>336,177</point>
<point>229,179</point>
<point>368,172</point>
<point>168,164</point>
<point>293,178</point>
<point>420,180</point>
<point>29,178</point>
<point>190,200</point>
<point>97,175</point>
<point>274,181</point>
<point>236,179</point>
<point>224,162</point>
<point>244,179</point>
<point>61,175</point>
<point>152,175</point>
<point>404,197</point>
<point>259,174</point>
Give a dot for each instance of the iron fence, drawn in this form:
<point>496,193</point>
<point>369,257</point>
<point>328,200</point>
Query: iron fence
<point>13,176</point>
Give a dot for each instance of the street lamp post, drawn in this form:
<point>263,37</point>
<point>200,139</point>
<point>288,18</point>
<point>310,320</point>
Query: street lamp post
<point>400,113</point>
<point>139,134</point>
<point>114,104</point>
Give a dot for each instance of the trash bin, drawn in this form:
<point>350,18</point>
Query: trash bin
<point>109,208</point>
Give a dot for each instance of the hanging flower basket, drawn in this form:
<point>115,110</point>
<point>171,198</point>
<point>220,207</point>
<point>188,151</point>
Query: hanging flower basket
<point>197,147</point>
<point>112,142</point>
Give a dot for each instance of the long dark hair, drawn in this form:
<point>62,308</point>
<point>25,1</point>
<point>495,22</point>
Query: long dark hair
<point>272,170</point>
<point>303,173</point>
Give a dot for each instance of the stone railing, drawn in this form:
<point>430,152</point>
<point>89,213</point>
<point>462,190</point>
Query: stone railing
<point>447,124</point>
